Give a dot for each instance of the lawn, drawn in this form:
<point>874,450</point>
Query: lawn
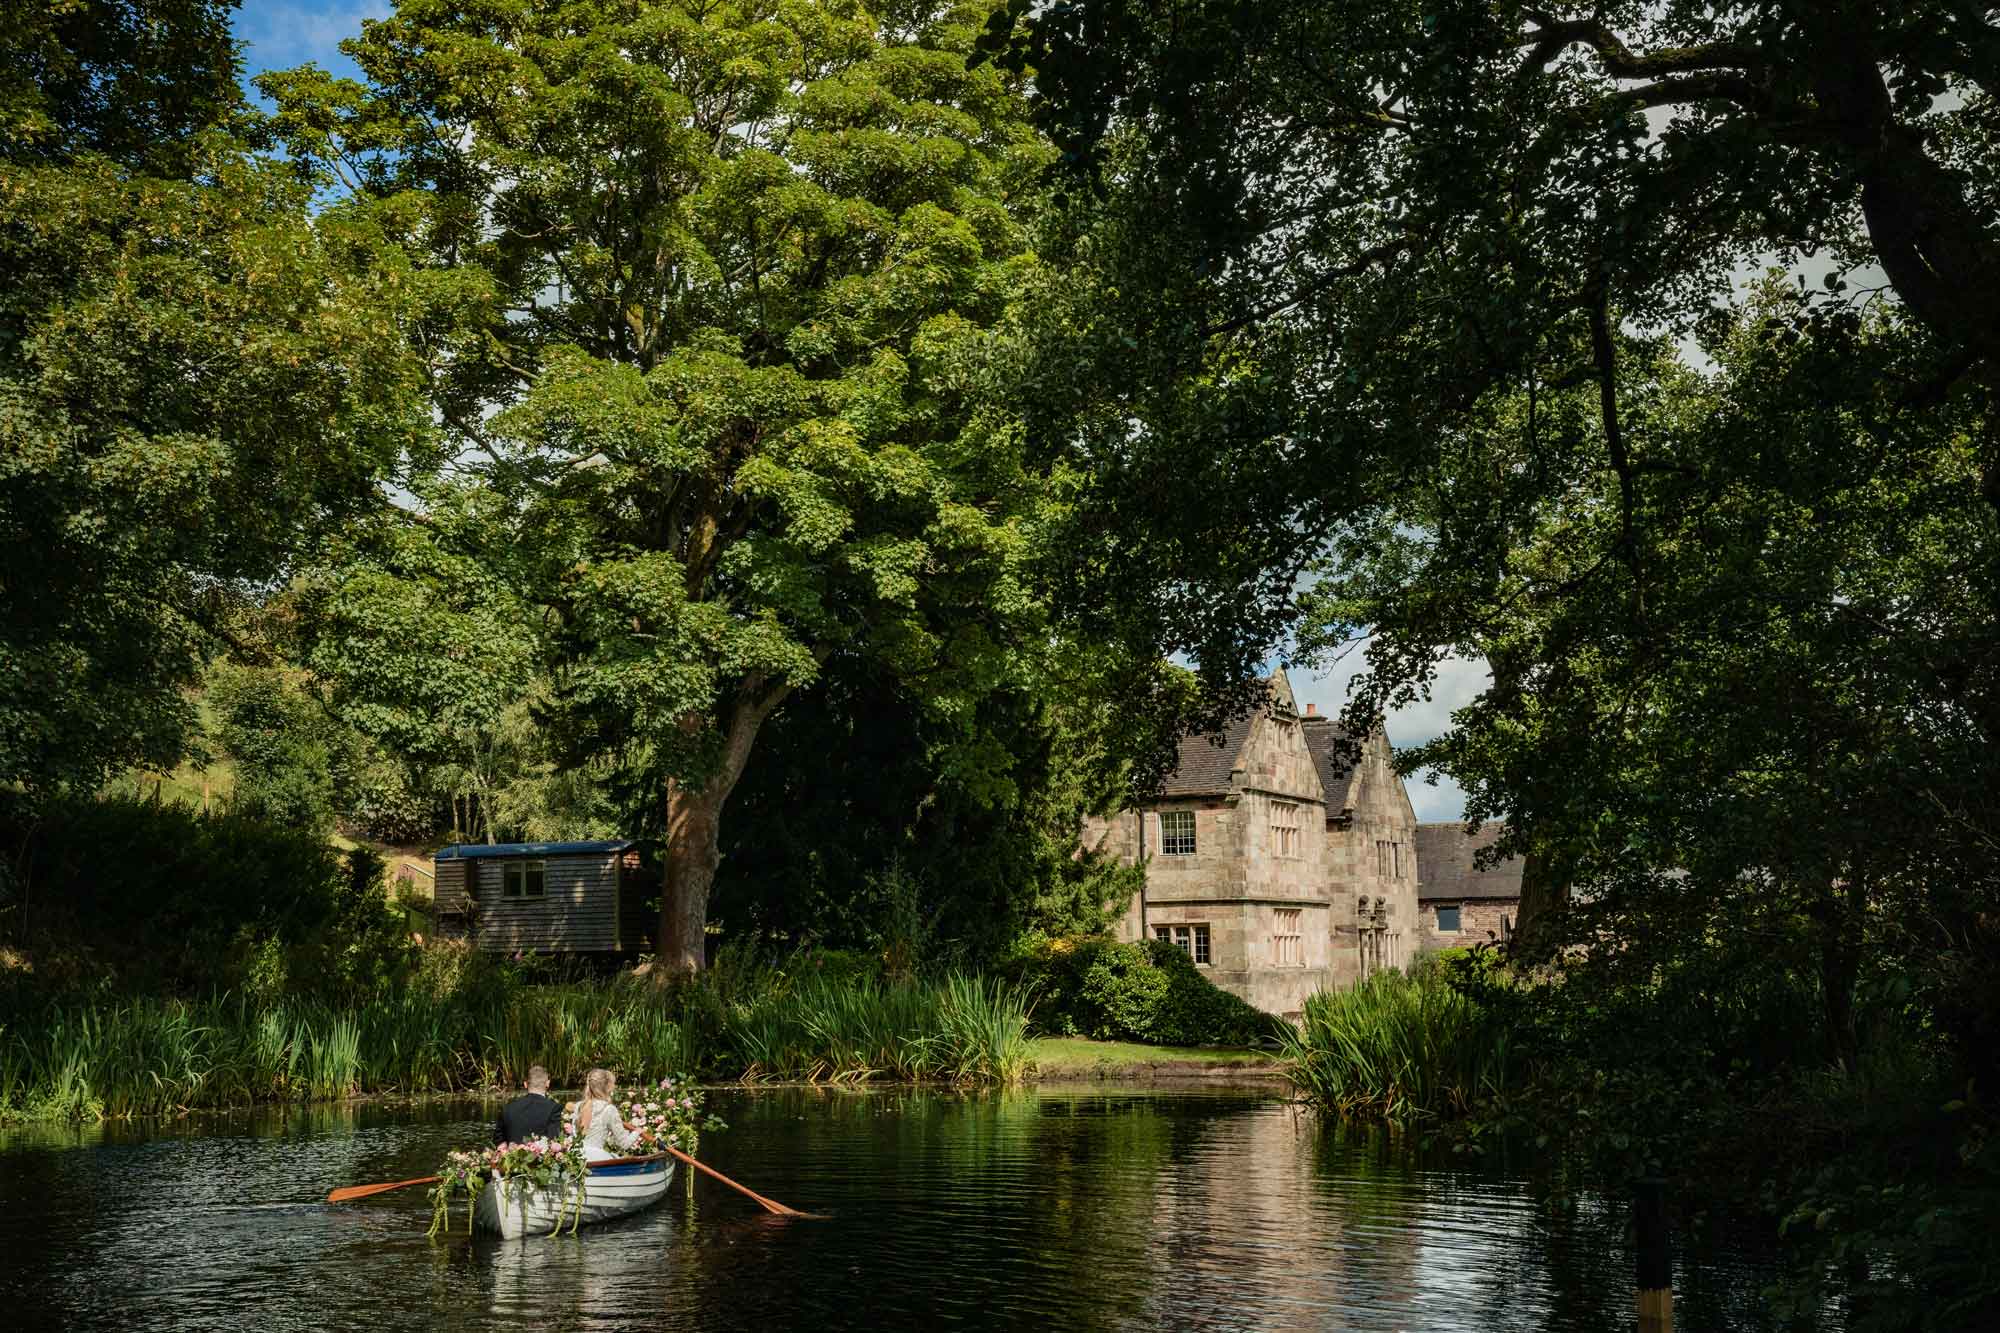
<point>1079,1057</point>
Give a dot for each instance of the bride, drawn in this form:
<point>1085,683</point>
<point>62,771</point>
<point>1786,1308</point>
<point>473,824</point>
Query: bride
<point>596,1119</point>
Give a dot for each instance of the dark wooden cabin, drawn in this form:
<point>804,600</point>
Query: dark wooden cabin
<point>551,897</point>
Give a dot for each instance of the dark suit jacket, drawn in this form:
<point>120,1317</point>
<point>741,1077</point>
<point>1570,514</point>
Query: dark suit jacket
<point>532,1115</point>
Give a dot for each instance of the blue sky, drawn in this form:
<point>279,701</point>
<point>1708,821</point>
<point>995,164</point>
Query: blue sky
<point>278,34</point>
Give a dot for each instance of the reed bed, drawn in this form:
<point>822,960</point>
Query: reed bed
<point>151,1056</point>
<point>1397,1047</point>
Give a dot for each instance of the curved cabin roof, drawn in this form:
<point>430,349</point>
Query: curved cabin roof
<point>480,851</point>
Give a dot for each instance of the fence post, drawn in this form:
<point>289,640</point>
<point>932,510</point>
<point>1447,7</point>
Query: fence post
<point>1655,1268</point>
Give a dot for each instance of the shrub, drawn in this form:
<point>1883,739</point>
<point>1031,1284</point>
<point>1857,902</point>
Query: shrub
<point>1400,1047</point>
<point>163,898</point>
<point>1121,994</point>
<point>388,810</point>
<point>1150,992</point>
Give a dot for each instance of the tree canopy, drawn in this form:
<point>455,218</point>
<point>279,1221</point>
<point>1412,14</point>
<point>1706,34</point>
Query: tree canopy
<point>1326,228</point>
<point>196,374</point>
<point>714,292</point>
<point>1446,306</point>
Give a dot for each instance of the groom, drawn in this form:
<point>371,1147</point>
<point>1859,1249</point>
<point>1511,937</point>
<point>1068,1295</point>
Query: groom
<point>532,1115</point>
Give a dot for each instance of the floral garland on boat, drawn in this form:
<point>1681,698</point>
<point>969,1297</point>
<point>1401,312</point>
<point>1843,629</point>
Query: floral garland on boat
<point>665,1115</point>
<point>661,1115</point>
<point>556,1166</point>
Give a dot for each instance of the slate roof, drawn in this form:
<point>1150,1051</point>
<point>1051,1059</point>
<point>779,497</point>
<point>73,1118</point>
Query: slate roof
<point>1322,735</point>
<point>1207,760</point>
<point>1444,864</point>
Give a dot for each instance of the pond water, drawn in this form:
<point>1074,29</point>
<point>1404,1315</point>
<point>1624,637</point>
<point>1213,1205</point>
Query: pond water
<point>1075,1208</point>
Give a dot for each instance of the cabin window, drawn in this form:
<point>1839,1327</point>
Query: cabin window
<point>1288,944</point>
<point>1448,917</point>
<point>1190,940</point>
<point>524,879</point>
<point>1285,828</point>
<point>1177,832</point>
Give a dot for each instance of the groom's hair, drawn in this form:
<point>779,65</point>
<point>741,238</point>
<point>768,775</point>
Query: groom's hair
<point>538,1079</point>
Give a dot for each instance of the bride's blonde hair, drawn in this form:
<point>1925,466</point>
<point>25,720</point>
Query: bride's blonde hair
<point>597,1087</point>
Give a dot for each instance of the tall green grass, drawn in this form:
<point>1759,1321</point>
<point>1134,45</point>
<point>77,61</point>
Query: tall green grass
<point>1397,1047</point>
<point>957,1028</point>
<point>152,1056</point>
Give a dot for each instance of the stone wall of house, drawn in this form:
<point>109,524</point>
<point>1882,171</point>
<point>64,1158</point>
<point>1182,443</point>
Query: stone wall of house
<point>1372,868</point>
<point>1256,879</point>
<point>1480,921</point>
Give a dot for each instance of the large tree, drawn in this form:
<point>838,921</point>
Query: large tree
<point>1775,676</point>
<point>1325,228</point>
<point>1313,241</point>
<point>1402,283</point>
<point>196,374</point>
<point>718,285</point>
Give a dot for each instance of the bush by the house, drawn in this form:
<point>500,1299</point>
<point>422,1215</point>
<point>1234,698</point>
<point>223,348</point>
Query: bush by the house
<point>1150,992</point>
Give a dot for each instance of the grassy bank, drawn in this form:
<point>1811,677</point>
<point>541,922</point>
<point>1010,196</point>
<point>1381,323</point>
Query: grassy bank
<point>1065,1058</point>
<point>149,1056</point>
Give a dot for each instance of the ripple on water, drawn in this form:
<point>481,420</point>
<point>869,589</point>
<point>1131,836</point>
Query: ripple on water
<point>1085,1210</point>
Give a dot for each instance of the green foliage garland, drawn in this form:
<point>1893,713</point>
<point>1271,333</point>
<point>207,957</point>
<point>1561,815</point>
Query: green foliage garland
<point>555,1167</point>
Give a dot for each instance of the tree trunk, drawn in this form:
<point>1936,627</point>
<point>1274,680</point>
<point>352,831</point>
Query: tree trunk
<point>1934,246</point>
<point>1545,883</point>
<point>1841,948</point>
<point>694,828</point>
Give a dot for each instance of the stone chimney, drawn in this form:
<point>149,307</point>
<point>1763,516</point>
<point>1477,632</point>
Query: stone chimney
<point>1312,710</point>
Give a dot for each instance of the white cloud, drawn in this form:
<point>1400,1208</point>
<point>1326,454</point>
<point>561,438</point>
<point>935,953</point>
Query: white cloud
<point>1457,682</point>
<point>1437,804</point>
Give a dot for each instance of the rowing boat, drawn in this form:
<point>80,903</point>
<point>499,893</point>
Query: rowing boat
<point>516,1208</point>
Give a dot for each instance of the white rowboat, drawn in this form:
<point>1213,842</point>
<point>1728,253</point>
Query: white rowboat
<point>516,1208</point>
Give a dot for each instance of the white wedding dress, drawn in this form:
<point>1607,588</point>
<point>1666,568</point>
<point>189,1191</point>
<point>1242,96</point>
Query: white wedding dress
<point>606,1136</point>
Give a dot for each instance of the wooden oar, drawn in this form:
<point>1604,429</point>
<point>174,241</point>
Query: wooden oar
<point>363,1191</point>
<point>770,1205</point>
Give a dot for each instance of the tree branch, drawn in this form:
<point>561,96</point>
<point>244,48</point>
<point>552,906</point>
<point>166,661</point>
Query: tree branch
<point>1362,263</point>
<point>1606,354</point>
<point>1552,36</point>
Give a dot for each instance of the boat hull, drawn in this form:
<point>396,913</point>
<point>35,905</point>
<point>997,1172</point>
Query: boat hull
<point>518,1208</point>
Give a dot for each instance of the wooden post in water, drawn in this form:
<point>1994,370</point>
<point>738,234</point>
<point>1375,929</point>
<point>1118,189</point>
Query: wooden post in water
<point>1655,1275</point>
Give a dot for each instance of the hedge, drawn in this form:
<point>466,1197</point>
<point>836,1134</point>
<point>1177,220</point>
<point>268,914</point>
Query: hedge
<point>1147,992</point>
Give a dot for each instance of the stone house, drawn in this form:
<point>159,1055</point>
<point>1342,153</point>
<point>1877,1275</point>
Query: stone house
<point>1459,903</point>
<point>1278,853</point>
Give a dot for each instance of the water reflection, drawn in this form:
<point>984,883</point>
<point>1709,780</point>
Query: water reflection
<point>1088,1210</point>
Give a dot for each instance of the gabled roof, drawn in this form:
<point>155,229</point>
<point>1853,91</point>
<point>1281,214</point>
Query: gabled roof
<point>1444,863</point>
<point>1323,737</point>
<point>1207,761</point>
<point>480,851</point>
